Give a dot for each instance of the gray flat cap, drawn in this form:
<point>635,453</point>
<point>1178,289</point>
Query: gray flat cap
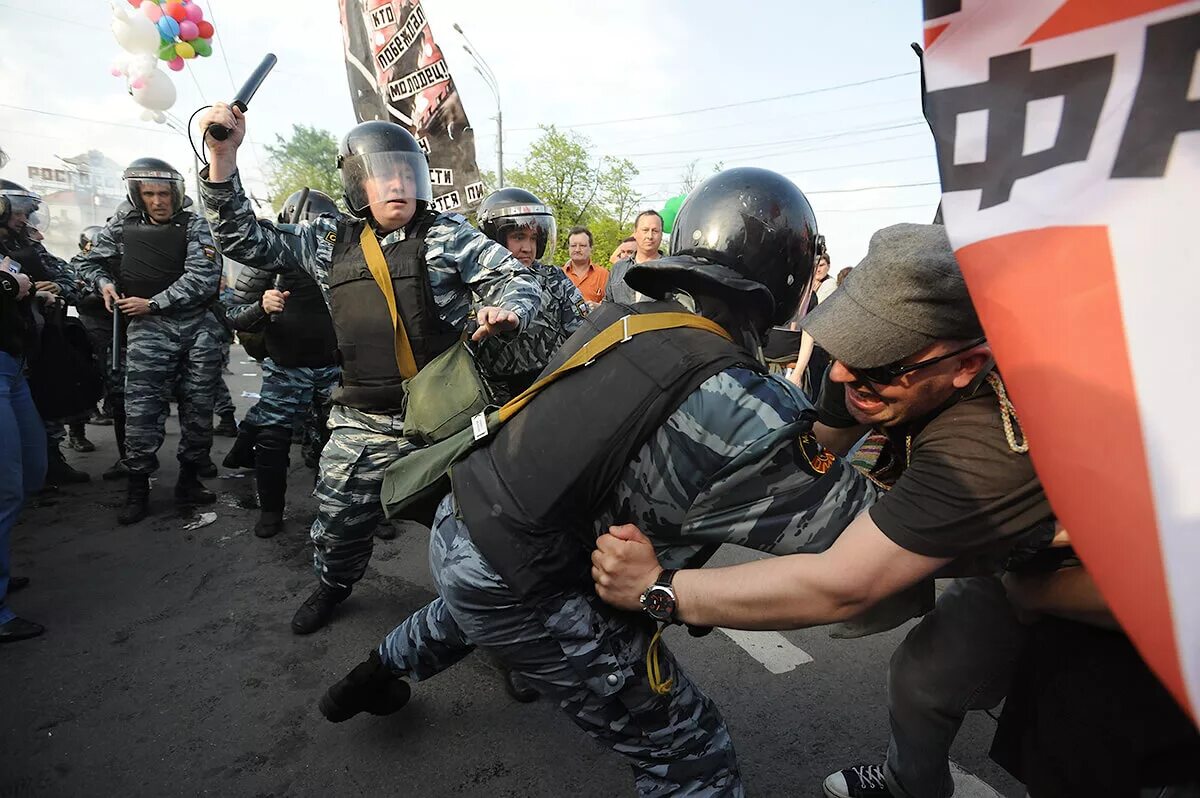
<point>905,294</point>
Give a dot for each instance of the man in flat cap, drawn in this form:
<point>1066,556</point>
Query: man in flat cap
<point>912,367</point>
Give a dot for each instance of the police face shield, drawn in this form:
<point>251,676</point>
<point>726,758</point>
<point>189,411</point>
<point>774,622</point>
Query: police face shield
<point>794,322</point>
<point>537,233</point>
<point>379,178</point>
<point>158,194</point>
<point>25,210</point>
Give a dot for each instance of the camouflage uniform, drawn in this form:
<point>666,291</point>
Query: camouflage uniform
<point>223,402</point>
<point>180,346</point>
<point>734,464</point>
<point>563,309</point>
<point>461,262</point>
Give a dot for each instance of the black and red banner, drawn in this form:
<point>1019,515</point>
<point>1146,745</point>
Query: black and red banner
<point>398,73</point>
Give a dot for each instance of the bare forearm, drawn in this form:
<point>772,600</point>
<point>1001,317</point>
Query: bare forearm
<point>781,593</point>
<point>222,167</point>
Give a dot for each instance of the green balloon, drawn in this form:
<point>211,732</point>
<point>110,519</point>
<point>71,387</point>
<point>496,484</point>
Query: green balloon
<point>167,51</point>
<point>203,47</point>
<point>670,211</point>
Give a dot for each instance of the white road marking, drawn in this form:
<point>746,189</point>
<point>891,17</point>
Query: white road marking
<point>770,648</point>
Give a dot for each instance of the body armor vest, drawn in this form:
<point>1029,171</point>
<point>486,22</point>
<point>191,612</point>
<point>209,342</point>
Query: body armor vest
<point>302,335</point>
<point>530,496</point>
<point>154,256</point>
<point>366,341</point>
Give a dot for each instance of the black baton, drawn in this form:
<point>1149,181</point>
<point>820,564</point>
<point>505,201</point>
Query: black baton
<point>241,100</point>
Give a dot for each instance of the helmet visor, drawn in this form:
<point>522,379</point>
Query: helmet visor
<point>28,205</point>
<point>380,177</point>
<point>542,226</point>
<point>143,186</point>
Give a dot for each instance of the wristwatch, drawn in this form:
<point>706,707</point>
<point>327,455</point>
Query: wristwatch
<point>658,600</point>
<point>153,306</point>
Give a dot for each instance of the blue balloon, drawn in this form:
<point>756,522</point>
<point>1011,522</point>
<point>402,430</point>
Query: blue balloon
<point>168,28</point>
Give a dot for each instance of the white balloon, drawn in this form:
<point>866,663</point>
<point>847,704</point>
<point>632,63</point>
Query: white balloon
<point>154,116</point>
<point>157,92</point>
<point>134,32</point>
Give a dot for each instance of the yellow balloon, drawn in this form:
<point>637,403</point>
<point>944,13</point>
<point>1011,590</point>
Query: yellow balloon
<point>185,50</point>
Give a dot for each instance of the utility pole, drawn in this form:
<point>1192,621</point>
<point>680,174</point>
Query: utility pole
<point>489,78</point>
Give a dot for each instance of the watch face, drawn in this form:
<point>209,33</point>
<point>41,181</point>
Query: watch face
<point>660,603</point>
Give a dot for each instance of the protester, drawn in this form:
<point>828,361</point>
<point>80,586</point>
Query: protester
<point>647,234</point>
<point>20,215</point>
<point>436,260</point>
<point>509,546</point>
<point>822,285</point>
<point>301,364</point>
<point>156,263</point>
<point>910,362</point>
<point>525,226</point>
<point>624,250</point>
<point>589,278</point>
<point>842,275</point>
<point>22,438</point>
<point>98,323</point>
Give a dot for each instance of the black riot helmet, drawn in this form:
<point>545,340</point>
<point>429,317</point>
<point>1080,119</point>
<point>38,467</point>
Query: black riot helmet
<point>505,210</point>
<point>748,233</point>
<point>305,205</point>
<point>146,171</point>
<point>380,162</point>
<point>87,237</point>
<point>15,198</point>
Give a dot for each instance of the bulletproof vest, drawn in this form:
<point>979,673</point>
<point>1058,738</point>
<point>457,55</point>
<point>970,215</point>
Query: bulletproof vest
<point>154,255</point>
<point>371,380</point>
<point>302,334</point>
<point>530,496</point>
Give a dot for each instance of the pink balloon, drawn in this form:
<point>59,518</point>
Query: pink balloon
<point>175,64</point>
<point>137,83</point>
<point>194,12</point>
<point>135,3</point>
<point>116,73</point>
<point>188,30</point>
<point>151,11</point>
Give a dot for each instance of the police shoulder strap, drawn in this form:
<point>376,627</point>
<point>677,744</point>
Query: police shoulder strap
<point>616,333</point>
<point>405,360</point>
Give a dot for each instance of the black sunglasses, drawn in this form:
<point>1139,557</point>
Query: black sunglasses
<point>885,375</point>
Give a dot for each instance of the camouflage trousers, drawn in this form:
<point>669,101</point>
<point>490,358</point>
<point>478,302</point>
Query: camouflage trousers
<point>361,446</point>
<point>288,393</point>
<point>578,651</point>
<point>166,354</point>
<point>223,402</point>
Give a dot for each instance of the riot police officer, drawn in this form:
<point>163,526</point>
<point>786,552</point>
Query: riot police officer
<point>301,364</point>
<point>156,263</point>
<point>686,432</point>
<point>20,221</point>
<point>524,225</point>
<point>436,263</point>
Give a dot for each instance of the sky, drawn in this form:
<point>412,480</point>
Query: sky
<point>824,91</point>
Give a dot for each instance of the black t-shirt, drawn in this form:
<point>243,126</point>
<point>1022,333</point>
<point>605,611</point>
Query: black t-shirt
<point>956,488</point>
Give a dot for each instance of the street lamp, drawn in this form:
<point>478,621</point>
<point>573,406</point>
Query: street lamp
<point>489,78</point>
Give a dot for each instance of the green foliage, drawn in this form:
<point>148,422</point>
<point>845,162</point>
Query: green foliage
<point>307,158</point>
<point>582,189</point>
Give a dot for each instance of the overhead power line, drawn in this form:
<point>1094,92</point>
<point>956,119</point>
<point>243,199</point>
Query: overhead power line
<point>740,104</point>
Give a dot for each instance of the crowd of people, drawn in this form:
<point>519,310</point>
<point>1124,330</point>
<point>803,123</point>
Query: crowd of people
<point>857,427</point>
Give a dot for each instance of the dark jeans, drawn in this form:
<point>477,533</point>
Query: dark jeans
<point>22,459</point>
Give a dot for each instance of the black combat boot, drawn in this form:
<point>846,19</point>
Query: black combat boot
<point>59,472</point>
<point>189,489</point>
<point>137,499</point>
<point>270,472</point>
<point>370,687</point>
<point>241,454</point>
<point>207,469</point>
<point>77,438</point>
<point>317,609</point>
<point>228,427</point>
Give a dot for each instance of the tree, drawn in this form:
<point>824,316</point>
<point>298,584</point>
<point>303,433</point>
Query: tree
<point>308,158</point>
<point>581,189</point>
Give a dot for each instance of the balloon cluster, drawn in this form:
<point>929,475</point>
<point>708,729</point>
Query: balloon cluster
<point>154,30</point>
<point>182,28</point>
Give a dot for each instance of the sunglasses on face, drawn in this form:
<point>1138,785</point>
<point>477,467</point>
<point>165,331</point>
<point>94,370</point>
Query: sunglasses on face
<point>886,375</point>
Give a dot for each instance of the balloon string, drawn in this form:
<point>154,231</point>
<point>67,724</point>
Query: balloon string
<point>199,153</point>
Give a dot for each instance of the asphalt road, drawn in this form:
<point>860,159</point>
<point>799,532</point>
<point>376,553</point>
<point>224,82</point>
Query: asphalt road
<point>168,668</point>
